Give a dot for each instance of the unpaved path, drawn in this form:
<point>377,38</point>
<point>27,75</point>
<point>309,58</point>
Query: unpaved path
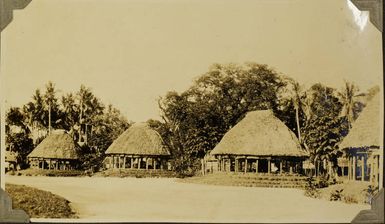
<point>131,199</point>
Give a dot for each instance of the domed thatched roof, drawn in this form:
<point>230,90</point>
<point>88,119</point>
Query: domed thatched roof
<point>365,131</point>
<point>139,139</point>
<point>260,133</point>
<point>58,145</point>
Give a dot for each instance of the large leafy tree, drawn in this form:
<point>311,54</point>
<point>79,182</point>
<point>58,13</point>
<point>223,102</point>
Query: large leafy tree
<point>107,126</point>
<point>199,117</point>
<point>18,135</point>
<point>324,127</point>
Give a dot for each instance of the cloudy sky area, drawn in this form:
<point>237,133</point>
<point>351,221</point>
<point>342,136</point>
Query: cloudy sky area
<point>132,52</point>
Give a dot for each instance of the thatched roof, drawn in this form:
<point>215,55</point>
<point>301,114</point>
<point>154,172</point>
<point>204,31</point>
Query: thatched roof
<point>260,133</point>
<point>58,145</point>
<point>139,139</point>
<point>365,131</point>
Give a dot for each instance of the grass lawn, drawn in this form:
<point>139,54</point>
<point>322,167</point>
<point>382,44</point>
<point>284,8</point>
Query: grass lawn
<point>39,204</point>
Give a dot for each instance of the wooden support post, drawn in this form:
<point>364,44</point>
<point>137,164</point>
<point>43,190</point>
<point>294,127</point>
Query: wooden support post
<point>256,165</point>
<point>290,168</point>
<point>371,171</point>
<point>154,163</point>
<point>139,160</point>
<point>49,164</point>
<point>124,162</point>
<point>56,165</point>
<point>280,166</point>
<point>146,163</point>
<point>362,168</point>
<point>236,165</point>
<point>161,164</point>
<point>349,168</point>
<point>119,162</point>
<point>131,162</point>
<point>42,166</point>
<point>268,165</point>
<point>354,168</point>
<point>245,164</point>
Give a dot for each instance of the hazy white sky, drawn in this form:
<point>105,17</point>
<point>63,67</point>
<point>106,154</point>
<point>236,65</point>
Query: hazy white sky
<point>132,52</point>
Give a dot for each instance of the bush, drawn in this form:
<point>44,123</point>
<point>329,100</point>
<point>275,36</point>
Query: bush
<point>311,188</point>
<point>350,199</point>
<point>336,195</point>
<point>369,193</point>
<point>321,182</point>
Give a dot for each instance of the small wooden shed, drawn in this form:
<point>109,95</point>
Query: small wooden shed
<point>139,147</point>
<point>260,143</point>
<point>58,151</point>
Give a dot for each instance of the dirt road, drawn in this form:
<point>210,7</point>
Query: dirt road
<point>131,199</point>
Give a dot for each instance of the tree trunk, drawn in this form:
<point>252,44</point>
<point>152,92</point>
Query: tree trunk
<point>297,120</point>
<point>49,118</point>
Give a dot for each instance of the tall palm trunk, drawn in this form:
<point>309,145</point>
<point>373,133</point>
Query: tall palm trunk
<point>49,118</point>
<point>297,120</point>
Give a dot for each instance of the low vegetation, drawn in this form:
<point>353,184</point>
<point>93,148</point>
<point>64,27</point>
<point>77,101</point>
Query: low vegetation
<point>350,192</point>
<point>248,180</point>
<point>39,204</point>
<point>136,173</point>
<point>50,173</point>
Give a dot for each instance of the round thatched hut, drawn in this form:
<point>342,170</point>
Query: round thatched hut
<point>58,151</point>
<point>363,145</point>
<point>260,143</point>
<point>139,147</point>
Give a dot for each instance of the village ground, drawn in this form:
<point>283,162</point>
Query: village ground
<point>165,199</point>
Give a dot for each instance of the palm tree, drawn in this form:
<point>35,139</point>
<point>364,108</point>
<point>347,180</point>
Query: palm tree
<point>296,96</point>
<point>347,96</point>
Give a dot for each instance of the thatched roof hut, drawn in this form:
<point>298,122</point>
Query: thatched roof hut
<point>139,139</point>
<point>260,133</point>
<point>58,145</point>
<point>365,131</point>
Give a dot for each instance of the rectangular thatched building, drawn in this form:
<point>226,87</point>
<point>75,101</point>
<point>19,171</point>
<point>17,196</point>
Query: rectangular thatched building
<point>58,151</point>
<point>363,145</point>
<point>139,147</point>
<point>260,143</point>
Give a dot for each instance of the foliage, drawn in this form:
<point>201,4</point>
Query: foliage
<point>336,195</point>
<point>82,114</point>
<point>17,135</point>
<point>196,119</point>
<point>311,189</point>
<point>350,199</point>
<point>370,192</point>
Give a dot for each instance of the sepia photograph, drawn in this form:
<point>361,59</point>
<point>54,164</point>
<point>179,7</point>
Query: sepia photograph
<point>220,111</point>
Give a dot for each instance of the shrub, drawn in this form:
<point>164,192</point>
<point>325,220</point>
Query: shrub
<point>311,188</point>
<point>350,199</point>
<point>321,182</point>
<point>336,195</point>
<point>369,193</point>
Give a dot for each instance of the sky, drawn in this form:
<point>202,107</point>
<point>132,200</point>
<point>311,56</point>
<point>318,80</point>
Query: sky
<point>131,52</point>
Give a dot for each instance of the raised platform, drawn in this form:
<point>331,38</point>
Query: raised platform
<point>251,180</point>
